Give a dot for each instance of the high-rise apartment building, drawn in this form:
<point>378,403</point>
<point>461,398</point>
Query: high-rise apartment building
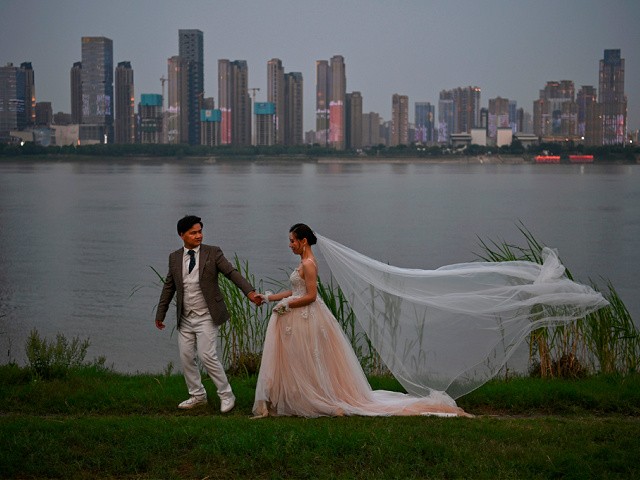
<point>97,90</point>
<point>76,93</point>
<point>354,120</point>
<point>498,116</point>
<point>586,96</point>
<point>125,104</point>
<point>424,119</point>
<point>293,118</point>
<point>467,109</point>
<point>338,91</point>
<point>234,102</point>
<point>555,113</point>
<point>370,129</point>
<point>151,118</point>
<point>209,123</point>
<point>29,93</point>
<point>513,116</point>
<point>612,97</point>
<point>265,123</point>
<point>323,97</point>
<point>176,124</point>
<point>191,49</point>
<point>446,116</point>
<point>399,120</point>
<point>12,100</point>
<point>276,96</point>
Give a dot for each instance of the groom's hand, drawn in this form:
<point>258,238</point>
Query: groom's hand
<point>255,298</point>
<point>160,325</point>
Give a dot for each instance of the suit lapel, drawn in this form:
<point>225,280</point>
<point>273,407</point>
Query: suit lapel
<point>202,259</point>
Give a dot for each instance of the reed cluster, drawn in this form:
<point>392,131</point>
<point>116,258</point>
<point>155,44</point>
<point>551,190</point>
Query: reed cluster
<point>605,341</point>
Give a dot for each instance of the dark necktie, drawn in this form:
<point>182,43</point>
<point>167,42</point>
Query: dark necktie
<point>192,261</point>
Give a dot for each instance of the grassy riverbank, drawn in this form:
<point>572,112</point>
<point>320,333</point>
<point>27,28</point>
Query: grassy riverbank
<point>94,423</point>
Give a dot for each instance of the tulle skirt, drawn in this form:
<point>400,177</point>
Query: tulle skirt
<point>309,369</point>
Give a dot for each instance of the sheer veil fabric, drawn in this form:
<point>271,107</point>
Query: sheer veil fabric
<point>452,329</point>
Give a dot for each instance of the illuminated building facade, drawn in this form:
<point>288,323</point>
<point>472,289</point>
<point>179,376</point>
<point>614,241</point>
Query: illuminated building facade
<point>190,43</point>
<point>125,126</point>
<point>97,90</point>
<point>612,97</point>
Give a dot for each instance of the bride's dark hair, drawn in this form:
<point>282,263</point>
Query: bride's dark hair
<point>300,230</point>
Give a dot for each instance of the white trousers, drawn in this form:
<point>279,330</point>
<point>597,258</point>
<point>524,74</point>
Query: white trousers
<point>199,337</point>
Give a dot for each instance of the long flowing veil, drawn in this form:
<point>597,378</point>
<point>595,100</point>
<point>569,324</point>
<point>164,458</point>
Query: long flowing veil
<point>452,329</point>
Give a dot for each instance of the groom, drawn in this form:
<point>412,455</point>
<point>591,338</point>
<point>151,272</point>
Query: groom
<point>193,275</point>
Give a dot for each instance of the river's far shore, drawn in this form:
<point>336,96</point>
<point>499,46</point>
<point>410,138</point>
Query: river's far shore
<point>288,159</point>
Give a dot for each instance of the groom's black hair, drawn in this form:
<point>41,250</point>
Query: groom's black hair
<point>188,221</point>
<point>300,230</point>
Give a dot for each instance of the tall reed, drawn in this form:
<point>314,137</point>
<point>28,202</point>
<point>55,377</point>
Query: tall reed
<point>243,336</point>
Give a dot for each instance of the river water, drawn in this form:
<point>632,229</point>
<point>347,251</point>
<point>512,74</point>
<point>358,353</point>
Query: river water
<point>78,240</point>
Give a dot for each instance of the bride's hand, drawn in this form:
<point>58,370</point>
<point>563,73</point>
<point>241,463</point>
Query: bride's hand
<point>264,296</point>
<point>282,306</point>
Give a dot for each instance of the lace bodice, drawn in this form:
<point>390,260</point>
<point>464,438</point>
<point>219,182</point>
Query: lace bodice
<point>298,287</point>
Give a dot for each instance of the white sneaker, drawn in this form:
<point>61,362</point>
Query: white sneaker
<point>192,402</point>
<point>227,404</point>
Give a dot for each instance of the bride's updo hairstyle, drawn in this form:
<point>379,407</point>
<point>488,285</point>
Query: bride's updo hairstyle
<point>300,230</point>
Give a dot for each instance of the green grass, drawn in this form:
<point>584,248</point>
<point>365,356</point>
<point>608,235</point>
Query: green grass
<point>98,424</point>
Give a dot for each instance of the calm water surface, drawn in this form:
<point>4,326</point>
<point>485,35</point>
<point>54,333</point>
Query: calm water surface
<point>78,240</point>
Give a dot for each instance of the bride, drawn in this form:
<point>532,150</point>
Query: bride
<point>442,333</point>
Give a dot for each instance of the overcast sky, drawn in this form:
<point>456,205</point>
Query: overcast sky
<point>508,48</point>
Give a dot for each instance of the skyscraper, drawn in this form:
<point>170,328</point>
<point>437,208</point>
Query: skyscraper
<point>176,124</point>
<point>338,91</point>
<point>191,50</point>
<point>209,123</point>
<point>265,123</point>
<point>12,100</point>
<point>498,116</point>
<point>97,89</point>
<point>555,113</point>
<point>276,96</point>
<point>586,97</point>
<point>125,104</point>
<point>467,109</point>
<point>293,118</point>
<point>354,120</point>
<point>76,93</point>
<point>425,122</point>
<point>446,116</point>
<point>399,120</point>
<point>29,93</point>
<point>612,97</point>
<point>323,94</point>
<point>150,111</point>
<point>370,129</point>
<point>234,102</point>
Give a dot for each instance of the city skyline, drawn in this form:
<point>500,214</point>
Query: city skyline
<point>415,48</point>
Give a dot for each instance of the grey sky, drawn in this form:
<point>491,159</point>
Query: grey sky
<point>412,47</point>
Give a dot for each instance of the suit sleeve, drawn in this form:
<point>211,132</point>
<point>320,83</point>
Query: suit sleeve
<point>228,270</point>
<point>168,291</point>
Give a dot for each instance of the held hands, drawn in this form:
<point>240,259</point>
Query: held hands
<point>256,298</point>
<point>281,307</point>
<point>264,297</point>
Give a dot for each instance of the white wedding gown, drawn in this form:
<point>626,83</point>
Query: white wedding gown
<point>309,369</point>
<point>442,333</point>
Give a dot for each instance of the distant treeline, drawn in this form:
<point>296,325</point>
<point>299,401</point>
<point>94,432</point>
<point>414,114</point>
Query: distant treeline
<point>601,154</point>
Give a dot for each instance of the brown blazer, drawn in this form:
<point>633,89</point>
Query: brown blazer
<point>211,262</point>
